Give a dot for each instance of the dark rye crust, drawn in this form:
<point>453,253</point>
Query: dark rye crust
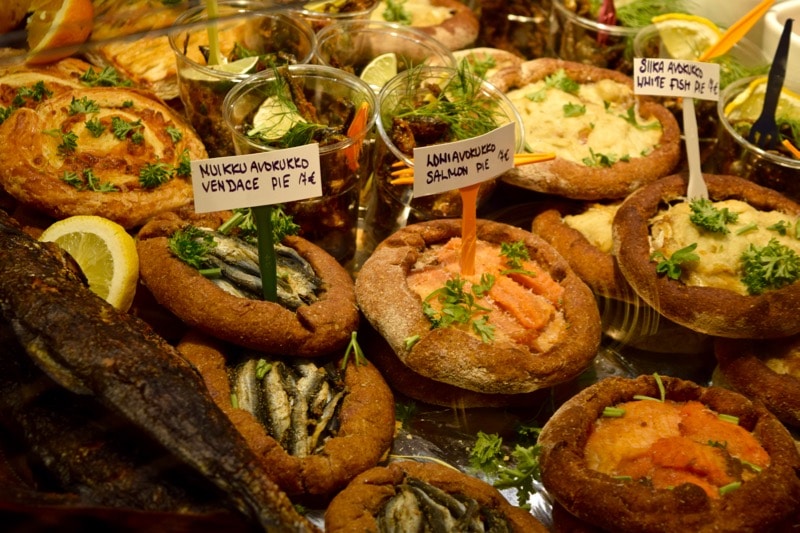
<point>708,310</point>
<point>312,331</point>
<point>459,30</point>
<point>355,508</point>
<point>742,366</point>
<point>626,506</point>
<point>366,430</point>
<point>598,269</point>
<point>454,356</point>
<point>408,383</point>
<point>577,181</point>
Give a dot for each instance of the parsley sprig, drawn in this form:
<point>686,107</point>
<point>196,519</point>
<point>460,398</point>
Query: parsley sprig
<point>515,253</point>
<point>709,217</point>
<point>672,266</point>
<point>459,306</point>
<point>88,181</point>
<point>108,77</point>
<point>769,267</point>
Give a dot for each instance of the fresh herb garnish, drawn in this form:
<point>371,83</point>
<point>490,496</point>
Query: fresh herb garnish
<point>748,227</point>
<point>404,412</point>
<point>459,306</point>
<point>395,12</point>
<point>487,452</point>
<point>782,227</point>
<point>354,348</point>
<point>89,181</point>
<point>769,267</point>
<point>613,412</point>
<point>630,118</point>
<point>192,246</point>
<point>707,216</point>
<point>242,218</point>
<point>122,128</point>
<point>108,77</point>
<point>95,127</point>
<point>480,66</point>
<point>600,160</point>
<point>69,141</point>
<point>174,133</point>
<point>154,174</point>
<point>574,110</point>
<point>560,80</point>
<point>184,168</point>
<point>672,266</point>
<point>83,105</point>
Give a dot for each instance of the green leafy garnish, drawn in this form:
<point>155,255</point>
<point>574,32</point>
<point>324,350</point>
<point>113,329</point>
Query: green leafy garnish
<point>672,266</point>
<point>122,129</point>
<point>600,160</point>
<point>574,110</point>
<point>192,246</point>
<point>560,80</point>
<point>68,143</point>
<point>154,174</point>
<point>184,168</point>
<point>748,227</point>
<point>515,253</point>
<point>354,348</point>
<point>459,307</point>
<point>522,475</point>
<point>262,368</point>
<point>537,96</point>
<point>396,12</point>
<point>707,216</point>
<point>174,133</point>
<point>487,452</point>
<point>95,127</point>
<point>782,227</point>
<point>36,92</point>
<point>89,181</point>
<point>481,66</point>
<point>242,218</point>
<point>409,342</point>
<point>83,105</point>
<point>404,412</point>
<point>769,267</point>
<point>108,77</point>
<point>630,118</point>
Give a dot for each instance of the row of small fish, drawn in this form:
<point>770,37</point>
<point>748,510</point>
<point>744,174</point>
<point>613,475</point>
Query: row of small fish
<point>237,260</point>
<point>422,507</point>
<point>296,401</point>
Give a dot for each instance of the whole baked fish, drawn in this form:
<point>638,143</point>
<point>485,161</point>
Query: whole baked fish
<point>89,347</point>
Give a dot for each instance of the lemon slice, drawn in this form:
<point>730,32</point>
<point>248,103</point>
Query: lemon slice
<point>273,119</point>
<point>105,252</point>
<point>686,36</point>
<point>748,104</point>
<point>380,70</point>
<point>54,26</point>
<point>245,65</point>
<point>325,6</point>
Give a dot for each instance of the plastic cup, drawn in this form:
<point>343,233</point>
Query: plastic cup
<point>331,220</point>
<point>281,37</point>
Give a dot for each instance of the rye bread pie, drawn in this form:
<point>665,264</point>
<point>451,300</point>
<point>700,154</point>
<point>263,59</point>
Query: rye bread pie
<point>393,498</point>
<point>450,22</point>
<point>314,318</point>
<point>608,142</point>
<point>523,326</point>
<point>766,371</point>
<point>498,67</point>
<point>739,280</point>
<point>116,152</point>
<point>689,458</point>
<point>313,425</point>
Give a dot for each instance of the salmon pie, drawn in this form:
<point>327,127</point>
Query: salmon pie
<point>608,142</point>
<point>663,454</point>
<point>522,321</point>
<point>315,424</point>
<point>210,278</point>
<point>726,266</point>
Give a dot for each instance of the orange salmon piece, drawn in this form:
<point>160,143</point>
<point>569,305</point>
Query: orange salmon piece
<point>531,311</point>
<point>615,440</point>
<point>704,425</point>
<point>699,459</point>
<point>542,283</point>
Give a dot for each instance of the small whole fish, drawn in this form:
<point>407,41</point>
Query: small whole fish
<point>89,347</point>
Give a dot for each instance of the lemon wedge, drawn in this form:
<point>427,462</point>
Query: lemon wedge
<point>748,104</point>
<point>686,36</point>
<point>105,252</point>
<point>380,70</point>
<point>273,119</point>
<point>245,65</point>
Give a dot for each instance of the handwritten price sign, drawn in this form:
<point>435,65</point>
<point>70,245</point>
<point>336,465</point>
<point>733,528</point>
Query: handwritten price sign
<point>675,77</point>
<point>264,178</point>
<point>443,167</point>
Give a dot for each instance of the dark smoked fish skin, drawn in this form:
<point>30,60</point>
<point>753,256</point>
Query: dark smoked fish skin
<point>86,345</point>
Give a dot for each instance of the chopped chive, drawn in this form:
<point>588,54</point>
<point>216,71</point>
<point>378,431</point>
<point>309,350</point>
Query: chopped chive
<point>211,273</point>
<point>411,341</point>
<point>729,418</point>
<point>262,367</point>
<point>613,412</point>
<point>234,401</point>
<point>749,227</point>
<point>623,478</point>
<point>730,487</point>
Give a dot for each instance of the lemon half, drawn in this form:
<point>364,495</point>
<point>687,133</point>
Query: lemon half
<point>748,104</point>
<point>105,252</point>
<point>686,36</point>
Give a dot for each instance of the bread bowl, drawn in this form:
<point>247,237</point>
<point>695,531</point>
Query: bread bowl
<point>131,165</point>
<point>766,371</point>
<point>587,458</point>
<point>450,22</point>
<point>585,115</point>
<point>317,328</point>
<point>522,357</point>
<point>357,416</point>
<point>709,295</point>
<point>498,67</point>
<point>383,498</point>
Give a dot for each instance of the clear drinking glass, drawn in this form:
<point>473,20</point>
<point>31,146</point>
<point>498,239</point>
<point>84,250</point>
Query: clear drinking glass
<point>324,12</point>
<point>330,221</point>
<point>244,28</point>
